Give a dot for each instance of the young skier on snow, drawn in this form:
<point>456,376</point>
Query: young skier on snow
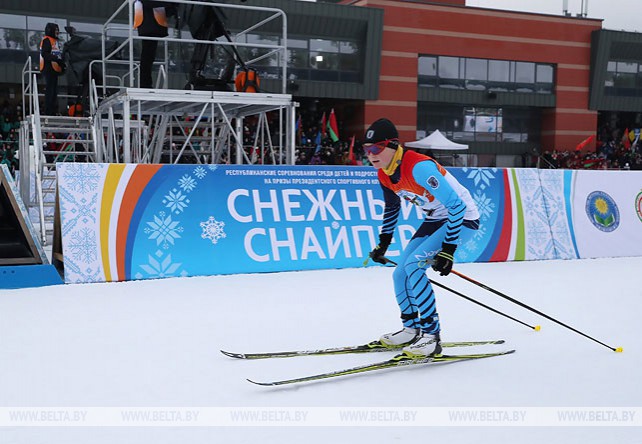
<point>451,217</point>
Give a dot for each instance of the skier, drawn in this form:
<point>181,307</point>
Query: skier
<point>451,217</point>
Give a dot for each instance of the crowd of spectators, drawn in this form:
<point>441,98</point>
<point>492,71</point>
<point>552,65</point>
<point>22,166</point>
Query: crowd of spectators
<point>10,116</point>
<point>614,150</point>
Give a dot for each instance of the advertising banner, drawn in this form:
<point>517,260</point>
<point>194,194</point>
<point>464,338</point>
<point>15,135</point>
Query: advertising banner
<point>123,222</point>
<point>606,206</point>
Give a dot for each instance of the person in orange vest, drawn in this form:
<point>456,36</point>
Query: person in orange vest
<point>51,66</point>
<point>150,20</point>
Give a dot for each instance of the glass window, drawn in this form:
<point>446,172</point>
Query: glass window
<point>428,66</point>
<point>476,69</point>
<point>298,43</point>
<point>498,71</point>
<point>348,47</point>
<point>324,60</point>
<point>324,45</point>
<point>13,21</point>
<point>485,74</point>
<point>544,74</point>
<point>298,58</point>
<point>525,72</point>
<point>349,62</point>
<point>628,67</point>
<point>624,80</point>
<point>89,28</point>
<point>449,67</point>
<point>13,39</point>
<point>39,23</point>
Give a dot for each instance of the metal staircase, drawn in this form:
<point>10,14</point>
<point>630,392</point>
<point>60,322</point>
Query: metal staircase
<point>45,141</point>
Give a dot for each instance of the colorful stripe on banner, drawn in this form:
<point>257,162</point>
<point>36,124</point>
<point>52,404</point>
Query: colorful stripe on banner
<point>569,185</point>
<point>520,239</point>
<point>114,173</point>
<point>501,239</point>
<point>147,194</point>
<point>137,183</point>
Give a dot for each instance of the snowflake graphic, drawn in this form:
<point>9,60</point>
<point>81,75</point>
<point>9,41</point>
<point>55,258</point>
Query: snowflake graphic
<point>82,177</point>
<point>159,268</point>
<point>82,245</point>
<point>212,167</point>
<point>485,205</point>
<point>471,244</point>
<point>163,229</point>
<point>187,183</point>
<point>335,225</point>
<point>213,230</point>
<point>176,201</point>
<point>76,211</point>
<point>200,172</point>
<point>483,175</point>
<point>480,233</point>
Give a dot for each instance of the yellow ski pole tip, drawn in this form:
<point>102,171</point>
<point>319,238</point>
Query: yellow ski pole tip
<point>619,350</point>
<point>537,328</point>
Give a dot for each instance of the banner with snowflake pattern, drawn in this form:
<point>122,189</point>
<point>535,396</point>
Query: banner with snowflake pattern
<point>124,222</point>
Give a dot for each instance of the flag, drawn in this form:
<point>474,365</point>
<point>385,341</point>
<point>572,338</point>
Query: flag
<point>333,128</point>
<point>584,142</point>
<point>351,158</point>
<point>318,142</point>
<point>323,125</point>
<point>625,139</point>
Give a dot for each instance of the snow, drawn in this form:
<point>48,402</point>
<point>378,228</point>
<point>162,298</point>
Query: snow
<point>154,344</point>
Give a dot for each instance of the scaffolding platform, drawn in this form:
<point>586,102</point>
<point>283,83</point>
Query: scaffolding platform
<point>155,112</point>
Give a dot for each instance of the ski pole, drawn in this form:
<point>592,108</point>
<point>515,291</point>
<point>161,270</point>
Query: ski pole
<point>521,304</point>
<point>468,298</point>
<point>536,327</point>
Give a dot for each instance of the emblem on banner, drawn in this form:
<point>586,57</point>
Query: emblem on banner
<point>602,211</point>
<point>638,205</point>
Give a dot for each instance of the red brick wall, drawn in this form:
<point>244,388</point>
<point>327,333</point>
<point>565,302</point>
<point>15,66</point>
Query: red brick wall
<point>412,28</point>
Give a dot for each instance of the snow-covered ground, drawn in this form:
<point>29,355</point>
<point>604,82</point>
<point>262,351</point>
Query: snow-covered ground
<point>153,346</point>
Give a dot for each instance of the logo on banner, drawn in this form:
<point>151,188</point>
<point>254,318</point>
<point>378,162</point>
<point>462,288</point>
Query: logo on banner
<point>638,205</point>
<point>602,211</point>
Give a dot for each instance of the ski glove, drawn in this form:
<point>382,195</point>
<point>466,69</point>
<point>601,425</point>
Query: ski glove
<point>444,259</point>
<point>379,252</point>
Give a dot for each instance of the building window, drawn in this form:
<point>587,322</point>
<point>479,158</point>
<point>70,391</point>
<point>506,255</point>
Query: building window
<point>623,78</point>
<point>485,74</point>
<point>480,124</point>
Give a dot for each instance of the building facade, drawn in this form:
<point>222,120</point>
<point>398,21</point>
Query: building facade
<point>502,82</point>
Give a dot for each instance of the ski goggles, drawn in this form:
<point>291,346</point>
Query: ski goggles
<point>377,148</point>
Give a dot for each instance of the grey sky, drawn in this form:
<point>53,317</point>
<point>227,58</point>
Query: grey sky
<point>618,15</point>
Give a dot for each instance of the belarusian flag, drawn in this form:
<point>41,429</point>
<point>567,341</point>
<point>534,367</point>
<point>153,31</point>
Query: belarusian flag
<point>333,128</point>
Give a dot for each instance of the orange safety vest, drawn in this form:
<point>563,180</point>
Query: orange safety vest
<point>159,15</point>
<point>56,51</point>
<point>406,181</point>
<point>247,81</point>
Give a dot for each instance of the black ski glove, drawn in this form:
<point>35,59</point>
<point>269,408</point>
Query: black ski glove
<point>444,259</point>
<point>379,252</point>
